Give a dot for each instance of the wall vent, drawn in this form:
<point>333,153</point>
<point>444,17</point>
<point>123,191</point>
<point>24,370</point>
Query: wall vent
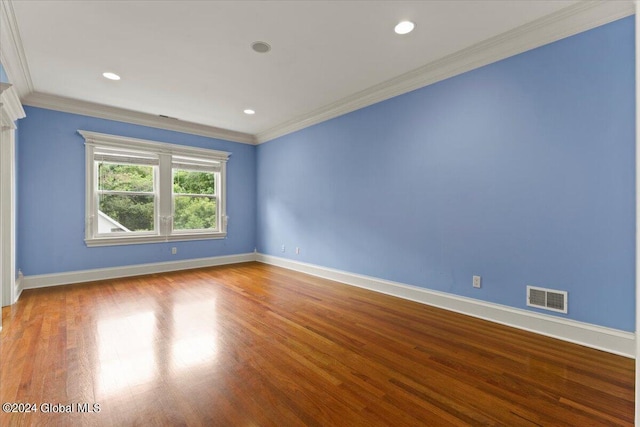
<point>548,299</point>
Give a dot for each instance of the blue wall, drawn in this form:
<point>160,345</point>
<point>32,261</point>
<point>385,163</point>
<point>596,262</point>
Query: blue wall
<point>521,171</point>
<point>3,75</point>
<point>51,197</point>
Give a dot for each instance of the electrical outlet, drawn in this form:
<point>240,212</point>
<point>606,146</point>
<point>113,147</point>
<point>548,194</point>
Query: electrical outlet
<point>174,250</point>
<point>297,251</point>
<point>282,248</point>
<point>477,281</point>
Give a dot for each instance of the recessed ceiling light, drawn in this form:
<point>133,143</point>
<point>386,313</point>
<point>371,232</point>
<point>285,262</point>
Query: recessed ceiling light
<point>404,27</point>
<point>249,111</point>
<point>261,47</point>
<point>111,76</point>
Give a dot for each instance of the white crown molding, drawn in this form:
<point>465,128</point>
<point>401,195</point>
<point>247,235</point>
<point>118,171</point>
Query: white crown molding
<point>12,54</point>
<point>10,107</point>
<point>75,106</point>
<point>610,340</point>
<point>67,278</point>
<point>14,61</point>
<point>569,21</point>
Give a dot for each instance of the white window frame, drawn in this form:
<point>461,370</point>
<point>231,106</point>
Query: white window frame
<point>193,165</point>
<point>163,221</point>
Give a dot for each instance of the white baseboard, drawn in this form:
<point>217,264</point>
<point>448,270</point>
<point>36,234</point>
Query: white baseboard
<point>18,286</point>
<point>45,280</point>
<point>598,337</point>
<point>607,339</point>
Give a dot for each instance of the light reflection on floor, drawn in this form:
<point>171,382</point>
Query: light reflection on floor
<point>120,369</point>
<point>132,351</point>
<point>195,334</point>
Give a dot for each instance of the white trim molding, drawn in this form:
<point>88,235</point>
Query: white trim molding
<point>18,285</point>
<point>12,54</point>
<point>10,106</point>
<point>10,111</point>
<point>85,108</point>
<point>607,339</point>
<point>124,142</point>
<point>569,21</point>
<point>68,278</point>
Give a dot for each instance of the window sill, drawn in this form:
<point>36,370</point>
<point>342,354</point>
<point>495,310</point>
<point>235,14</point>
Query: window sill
<point>133,240</point>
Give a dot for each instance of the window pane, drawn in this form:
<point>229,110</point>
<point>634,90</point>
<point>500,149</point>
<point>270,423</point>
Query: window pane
<point>125,213</point>
<point>121,177</point>
<point>191,182</point>
<point>194,213</point>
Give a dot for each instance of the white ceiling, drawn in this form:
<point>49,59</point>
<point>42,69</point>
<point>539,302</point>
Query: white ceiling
<point>192,60</point>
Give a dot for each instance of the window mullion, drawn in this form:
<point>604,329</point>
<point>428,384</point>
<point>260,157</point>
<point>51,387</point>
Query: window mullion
<point>165,196</point>
<point>211,196</point>
<point>125,193</point>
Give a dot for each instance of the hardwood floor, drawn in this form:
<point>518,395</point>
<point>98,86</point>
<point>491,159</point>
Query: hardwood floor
<point>251,344</point>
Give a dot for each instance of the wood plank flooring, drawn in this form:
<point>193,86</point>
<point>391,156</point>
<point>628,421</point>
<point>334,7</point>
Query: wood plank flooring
<point>256,345</point>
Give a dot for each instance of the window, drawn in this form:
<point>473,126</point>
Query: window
<point>194,195</point>
<point>126,191</point>
<point>143,191</point>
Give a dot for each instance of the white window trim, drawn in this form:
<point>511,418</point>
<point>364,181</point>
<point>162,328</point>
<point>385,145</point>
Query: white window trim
<point>163,223</point>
